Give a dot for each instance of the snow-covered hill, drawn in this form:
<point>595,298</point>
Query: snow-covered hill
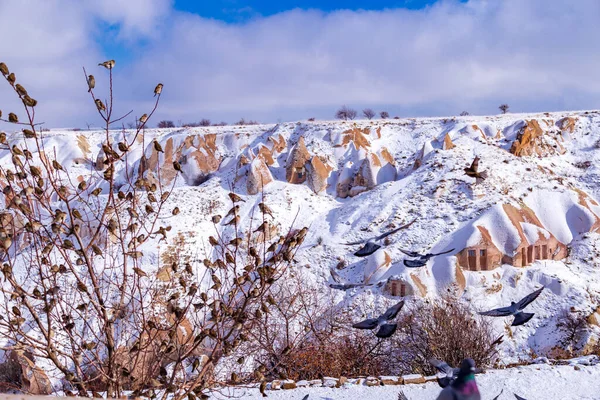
<point>357,179</point>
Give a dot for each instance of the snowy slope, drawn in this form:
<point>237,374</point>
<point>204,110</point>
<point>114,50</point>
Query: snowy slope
<point>559,188</point>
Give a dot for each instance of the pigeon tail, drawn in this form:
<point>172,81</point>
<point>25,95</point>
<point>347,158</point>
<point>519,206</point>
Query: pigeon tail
<point>367,250</point>
<point>444,382</point>
<point>521,318</point>
<point>386,330</point>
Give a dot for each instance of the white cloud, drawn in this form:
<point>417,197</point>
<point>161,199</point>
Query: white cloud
<point>533,54</point>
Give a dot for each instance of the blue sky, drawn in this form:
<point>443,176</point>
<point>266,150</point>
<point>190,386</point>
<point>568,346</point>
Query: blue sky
<point>282,61</point>
<point>242,10</point>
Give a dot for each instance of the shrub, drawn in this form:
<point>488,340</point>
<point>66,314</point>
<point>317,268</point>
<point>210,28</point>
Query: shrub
<point>384,115</point>
<point>464,113</point>
<point>345,113</point>
<point>368,113</point>
<point>444,329</point>
<point>220,124</point>
<point>166,124</point>
<point>573,326</point>
<point>311,119</point>
<point>503,108</point>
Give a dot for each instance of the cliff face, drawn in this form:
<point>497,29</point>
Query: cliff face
<point>350,181</point>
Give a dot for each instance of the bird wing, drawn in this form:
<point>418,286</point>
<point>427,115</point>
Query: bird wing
<point>355,243</point>
<point>475,164</point>
<point>336,277</point>
<point>386,330</point>
<point>410,253</point>
<point>444,382</point>
<point>368,249</point>
<point>391,312</point>
<point>414,263</point>
<point>442,366</point>
<point>519,397</point>
<point>529,298</point>
<point>497,312</point>
<point>497,397</point>
<point>384,235</point>
<point>366,324</point>
<point>439,254</point>
<point>305,397</point>
<point>402,396</point>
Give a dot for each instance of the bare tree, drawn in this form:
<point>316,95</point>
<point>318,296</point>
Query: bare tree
<point>76,293</point>
<point>573,325</point>
<point>503,108</point>
<point>464,113</point>
<point>204,122</point>
<point>346,113</point>
<point>368,113</point>
<point>166,124</point>
<point>384,115</point>
<point>220,124</point>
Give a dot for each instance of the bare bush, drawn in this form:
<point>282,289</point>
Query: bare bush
<point>396,117</point>
<point>464,113</point>
<point>307,336</point>
<point>77,292</point>
<point>245,122</point>
<point>311,119</point>
<point>368,113</point>
<point>573,325</point>
<point>384,115</point>
<point>444,329</point>
<point>503,108</point>
<point>345,113</point>
<point>165,124</point>
<point>222,123</point>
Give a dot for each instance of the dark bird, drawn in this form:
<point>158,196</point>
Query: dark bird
<point>519,397</point>
<point>473,171</point>
<point>464,385</point>
<point>371,245</point>
<point>385,329</point>
<point>91,83</point>
<point>234,210</point>
<point>3,69</point>
<point>516,309</point>
<point>99,105</point>
<point>402,396</point>
<point>422,258</point>
<point>443,367</point>
<point>157,146</point>
<point>305,397</point>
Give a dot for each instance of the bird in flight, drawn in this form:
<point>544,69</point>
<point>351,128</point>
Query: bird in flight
<point>373,244</point>
<point>516,309</point>
<point>386,329</point>
<point>473,171</point>
<point>421,258</point>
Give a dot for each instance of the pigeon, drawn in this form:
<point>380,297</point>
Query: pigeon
<point>519,397</point>
<point>451,373</point>
<point>473,171</point>
<point>464,386</point>
<point>516,309</point>
<point>385,330</point>
<point>341,283</point>
<point>422,258</point>
<point>370,245</point>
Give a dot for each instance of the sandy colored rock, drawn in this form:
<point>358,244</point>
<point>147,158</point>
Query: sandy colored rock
<point>288,385</point>
<point>259,176</point>
<point>295,170</point>
<point>448,145</point>
<point>275,385</point>
<point>413,379</point>
<point>318,173</point>
<point>533,140</point>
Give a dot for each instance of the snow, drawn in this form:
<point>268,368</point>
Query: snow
<point>532,382</point>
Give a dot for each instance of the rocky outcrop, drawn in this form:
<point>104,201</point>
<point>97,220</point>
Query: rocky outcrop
<point>532,139</point>
<point>567,124</point>
<point>318,172</point>
<point>295,169</point>
<point>356,136</point>
<point>259,176</point>
<point>448,145</point>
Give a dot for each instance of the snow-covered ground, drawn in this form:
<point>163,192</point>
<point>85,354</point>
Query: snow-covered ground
<point>533,382</point>
<point>410,172</point>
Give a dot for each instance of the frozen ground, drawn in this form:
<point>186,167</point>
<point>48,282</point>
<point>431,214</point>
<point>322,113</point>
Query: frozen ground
<point>533,382</point>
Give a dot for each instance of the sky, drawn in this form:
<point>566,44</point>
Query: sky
<point>274,61</point>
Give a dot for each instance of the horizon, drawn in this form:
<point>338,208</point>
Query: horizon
<point>289,61</point>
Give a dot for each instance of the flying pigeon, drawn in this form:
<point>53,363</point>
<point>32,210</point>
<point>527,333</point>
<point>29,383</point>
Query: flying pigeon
<point>422,258</point>
<point>443,367</point>
<point>516,309</point>
<point>370,245</point>
<point>464,385</point>
<point>385,330</point>
<point>473,171</point>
